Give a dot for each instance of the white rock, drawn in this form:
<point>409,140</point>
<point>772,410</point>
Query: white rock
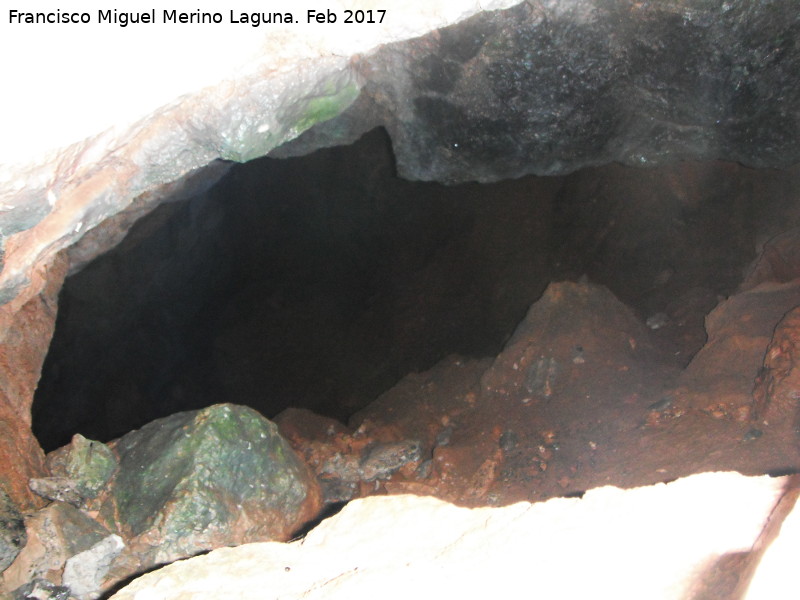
<point>777,572</point>
<point>653,542</point>
<point>85,572</point>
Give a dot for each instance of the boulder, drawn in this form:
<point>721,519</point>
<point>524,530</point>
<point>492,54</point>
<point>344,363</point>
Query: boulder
<point>202,479</point>
<point>666,541</point>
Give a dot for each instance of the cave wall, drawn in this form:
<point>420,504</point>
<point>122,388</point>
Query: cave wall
<point>546,87</point>
<point>117,148</point>
<point>549,87</point>
<point>274,289</point>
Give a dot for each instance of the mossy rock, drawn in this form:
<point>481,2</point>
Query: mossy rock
<point>201,479</point>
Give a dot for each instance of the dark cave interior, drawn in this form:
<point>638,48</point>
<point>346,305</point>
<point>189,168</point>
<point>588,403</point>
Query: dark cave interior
<point>320,281</point>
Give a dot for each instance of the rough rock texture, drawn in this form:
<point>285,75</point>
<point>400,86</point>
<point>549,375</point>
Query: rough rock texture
<point>663,542</point>
<point>778,261</point>
<point>580,396</point>
<point>41,589</point>
<point>578,373</point>
<point>24,337</point>
<point>283,83</point>
<point>777,388</point>
<point>198,480</point>
<point>12,531</point>
<point>281,86</point>
<point>363,277</point>
<point>550,347</point>
<point>724,371</point>
<point>80,471</point>
<point>347,464</point>
<point>551,86</point>
<point>178,486</point>
<point>91,464</point>
<point>544,87</point>
<point>55,534</point>
<point>86,572</point>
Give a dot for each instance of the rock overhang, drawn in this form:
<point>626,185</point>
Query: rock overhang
<point>540,87</point>
<point>445,87</point>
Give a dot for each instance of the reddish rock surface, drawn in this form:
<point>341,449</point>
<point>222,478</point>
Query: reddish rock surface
<point>777,389</point>
<point>778,261</point>
<point>582,396</point>
<point>24,338</point>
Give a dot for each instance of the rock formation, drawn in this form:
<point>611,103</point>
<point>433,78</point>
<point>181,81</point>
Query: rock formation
<point>611,543</point>
<point>177,487</point>
<point>467,91</point>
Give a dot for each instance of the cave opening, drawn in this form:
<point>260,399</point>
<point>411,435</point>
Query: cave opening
<point>632,319</point>
<point>321,281</point>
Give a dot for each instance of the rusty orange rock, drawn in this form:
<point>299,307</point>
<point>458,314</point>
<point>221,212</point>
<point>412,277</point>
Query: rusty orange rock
<point>25,338</point>
<point>777,389</point>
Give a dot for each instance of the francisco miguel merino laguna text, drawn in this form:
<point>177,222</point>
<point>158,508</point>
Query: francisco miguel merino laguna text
<point>123,19</point>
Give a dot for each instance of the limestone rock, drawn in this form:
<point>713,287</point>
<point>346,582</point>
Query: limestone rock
<point>95,159</point>
<point>381,461</point>
<point>426,403</point>
<point>80,470</point>
<point>661,542</point>
<point>322,441</point>
<point>523,426</point>
<point>12,531</point>
<point>543,87</point>
<point>202,479</point>
<point>302,426</point>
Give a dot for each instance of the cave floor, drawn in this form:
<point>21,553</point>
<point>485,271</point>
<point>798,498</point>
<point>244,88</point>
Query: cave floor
<point>585,395</point>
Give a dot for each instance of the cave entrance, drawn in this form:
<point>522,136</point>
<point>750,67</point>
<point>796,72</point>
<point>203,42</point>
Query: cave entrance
<point>321,281</point>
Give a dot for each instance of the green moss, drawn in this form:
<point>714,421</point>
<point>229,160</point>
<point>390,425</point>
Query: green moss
<point>326,107</point>
<point>249,145</point>
<point>251,142</point>
<point>190,468</point>
<point>91,464</point>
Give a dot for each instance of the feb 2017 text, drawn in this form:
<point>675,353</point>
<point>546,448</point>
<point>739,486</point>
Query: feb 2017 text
<point>197,17</point>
